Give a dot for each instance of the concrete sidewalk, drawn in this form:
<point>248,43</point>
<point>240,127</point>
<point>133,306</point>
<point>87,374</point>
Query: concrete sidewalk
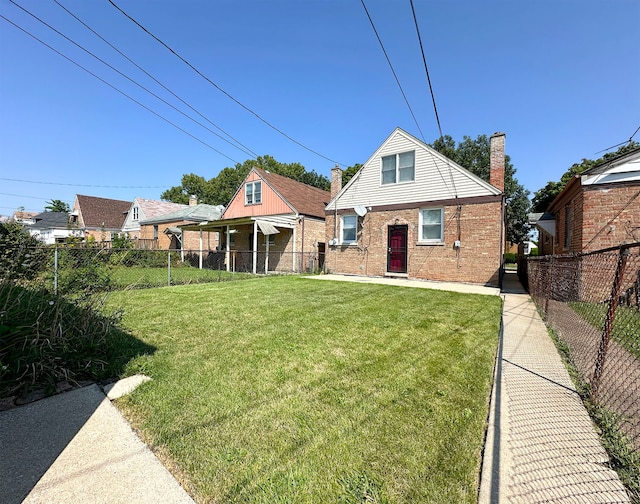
<point>541,445</point>
<point>75,447</point>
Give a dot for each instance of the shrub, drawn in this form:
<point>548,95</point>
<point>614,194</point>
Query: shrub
<point>510,257</point>
<point>22,256</point>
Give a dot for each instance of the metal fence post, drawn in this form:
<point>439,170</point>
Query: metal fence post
<point>169,269</point>
<point>608,322</point>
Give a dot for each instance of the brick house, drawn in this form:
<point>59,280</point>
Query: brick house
<point>142,209</point>
<point>99,219</point>
<point>164,232</point>
<point>272,223</point>
<point>597,209</point>
<point>411,212</point>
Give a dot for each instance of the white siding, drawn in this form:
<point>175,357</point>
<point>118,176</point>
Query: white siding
<point>436,178</point>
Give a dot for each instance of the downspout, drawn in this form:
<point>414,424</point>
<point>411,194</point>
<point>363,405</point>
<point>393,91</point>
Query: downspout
<point>200,249</point>
<point>293,255</point>
<point>302,246</point>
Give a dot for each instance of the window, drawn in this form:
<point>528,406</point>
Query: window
<point>349,228</point>
<point>431,225</point>
<point>155,231</point>
<point>398,168</point>
<point>253,193</point>
<point>271,239</point>
<point>567,227</point>
<point>135,213</point>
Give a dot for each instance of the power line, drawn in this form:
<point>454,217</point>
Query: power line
<point>392,70</point>
<point>621,143</point>
<point>80,185</point>
<point>118,90</point>
<point>247,151</point>
<point>424,60</point>
<point>22,196</point>
<point>129,79</point>
<point>219,88</point>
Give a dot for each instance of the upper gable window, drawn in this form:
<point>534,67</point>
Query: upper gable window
<point>135,213</point>
<point>253,193</point>
<point>399,168</point>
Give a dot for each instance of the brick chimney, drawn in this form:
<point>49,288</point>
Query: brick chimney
<point>496,171</point>
<point>336,180</point>
<point>193,200</point>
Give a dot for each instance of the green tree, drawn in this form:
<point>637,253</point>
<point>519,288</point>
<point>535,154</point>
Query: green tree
<point>220,189</point>
<point>475,156</point>
<point>348,174</point>
<point>56,205</point>
<point>543,197</point>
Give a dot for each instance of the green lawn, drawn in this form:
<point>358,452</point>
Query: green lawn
<point>287,389</point>
<point>626,324</point>
<point>144,277</point>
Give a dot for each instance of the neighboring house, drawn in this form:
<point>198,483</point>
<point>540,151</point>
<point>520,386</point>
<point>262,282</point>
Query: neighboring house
<point>412,212</point>
<point>163,231</point>
<point>272,223</point>
<point>598,209</point>
<point>53,227</point>
<point>99,219</point>
<point>142,209</point>
<point>24,217</point>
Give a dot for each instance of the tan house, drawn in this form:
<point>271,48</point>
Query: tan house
<point>100,219</point>
<point>599,208</point>
<point>142,209</point>
<point>411,212</point>
<point>272,223</point>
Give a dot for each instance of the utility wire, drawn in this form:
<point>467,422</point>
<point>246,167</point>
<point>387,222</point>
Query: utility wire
<point>621,143</point>
<point>118,90</point>
<point>426,68</point>
<point>80,185</point>
<point>128,78</point>
<point>392,70</point>
<point>245,149</point>
<point>220,89</point>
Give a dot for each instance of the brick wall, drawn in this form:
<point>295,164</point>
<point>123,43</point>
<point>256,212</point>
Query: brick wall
<point>477,261</point>
<point>611,216</point>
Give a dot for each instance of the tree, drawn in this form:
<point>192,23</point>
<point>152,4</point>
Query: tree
<point>348,174</point>
<point>56,205</point>
<point>475,156</point>
<point>220,189</point>
<point>543,197</point>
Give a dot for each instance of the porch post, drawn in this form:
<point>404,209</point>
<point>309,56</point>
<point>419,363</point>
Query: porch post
<point>201,249</point>
<point>227,253</point>
<point>293,255</point>
<point>255,247</point>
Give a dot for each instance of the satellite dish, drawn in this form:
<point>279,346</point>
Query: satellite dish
<point>360,210</point>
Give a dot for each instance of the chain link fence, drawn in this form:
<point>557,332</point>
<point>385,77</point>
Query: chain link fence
<point>65,269</point>
<point>592,302</point>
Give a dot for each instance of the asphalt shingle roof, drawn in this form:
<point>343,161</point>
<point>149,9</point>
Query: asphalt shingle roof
<point>305,199</point>
<point>102,212</point>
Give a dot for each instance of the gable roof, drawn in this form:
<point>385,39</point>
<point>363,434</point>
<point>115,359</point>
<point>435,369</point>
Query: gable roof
<point>303,198</point>
<point>102,212</point>
<point>436,178</point>
<point>154,208</point>
<point>48,220</point>
<point>194,213</point>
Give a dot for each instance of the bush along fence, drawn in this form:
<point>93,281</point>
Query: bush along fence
<point>592,302</point>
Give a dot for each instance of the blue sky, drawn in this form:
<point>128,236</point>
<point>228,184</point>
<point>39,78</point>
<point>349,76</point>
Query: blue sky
<point>561,78</point>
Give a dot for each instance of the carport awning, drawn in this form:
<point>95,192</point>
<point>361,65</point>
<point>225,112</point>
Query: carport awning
<point>266,227</point>
<point>173,230</point>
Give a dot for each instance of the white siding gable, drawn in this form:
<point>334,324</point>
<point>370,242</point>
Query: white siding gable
<point>626,170</point>
<point>436,178</point>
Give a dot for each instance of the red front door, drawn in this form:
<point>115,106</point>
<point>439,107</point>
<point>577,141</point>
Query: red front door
<point>397,249</point>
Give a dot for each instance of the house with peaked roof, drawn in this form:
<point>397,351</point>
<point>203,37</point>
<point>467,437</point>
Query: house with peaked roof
<point>164,232</point>
<point>597,209</point>
<point>53,227</point>
<point>100,219</point>
<point>272,223</point>
<point>411,212</point>
<point>142,209</point>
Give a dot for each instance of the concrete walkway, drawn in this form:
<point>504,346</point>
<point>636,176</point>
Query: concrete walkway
<point>541,445</point>
<point>75,447</point>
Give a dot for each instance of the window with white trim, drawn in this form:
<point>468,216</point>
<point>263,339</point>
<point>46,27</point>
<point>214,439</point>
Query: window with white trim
<point>431,225</point>
<point>253,193</point>
<point>349,229</point>
<point>135,213</point>
<point>399,168</point>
